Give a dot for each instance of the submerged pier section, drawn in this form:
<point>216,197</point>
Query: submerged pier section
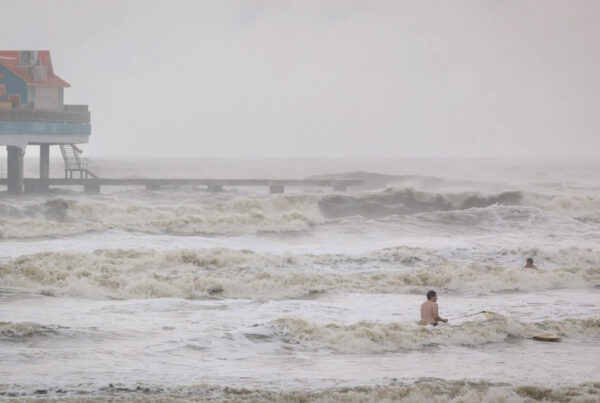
<point>94,185</point>
<point>32,112</point>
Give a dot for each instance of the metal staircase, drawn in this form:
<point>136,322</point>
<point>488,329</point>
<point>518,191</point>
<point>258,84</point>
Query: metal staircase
<point>74,163</point>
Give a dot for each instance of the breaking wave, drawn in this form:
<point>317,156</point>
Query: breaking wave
<point>236,214</point>
<point>371,337</point>
<point>223,272</point>
<point>424,390</point>
<point>16,330</point>
<point>561,202</point>
<point>409,201</point>
<point>65,216</point>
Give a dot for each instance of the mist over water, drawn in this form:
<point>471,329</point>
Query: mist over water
<point>472,124</point>
<point>182,294</point>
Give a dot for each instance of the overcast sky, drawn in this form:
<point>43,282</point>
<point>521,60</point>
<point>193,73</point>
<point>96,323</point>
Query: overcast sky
<point>324,78</point>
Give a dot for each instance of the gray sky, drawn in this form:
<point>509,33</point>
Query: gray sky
<point>324,78</point>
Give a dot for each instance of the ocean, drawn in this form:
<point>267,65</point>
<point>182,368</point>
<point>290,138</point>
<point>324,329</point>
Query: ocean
<point>179,294</point>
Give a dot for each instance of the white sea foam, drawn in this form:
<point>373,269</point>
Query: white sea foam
<point>247,214</point>
<point>424,390</point>
<point>16,330</point>
<point>127,274</point>
<point>372,337</point>
<point>330,292</point>
<point>408,200</point>
<point>243,215</point>
<point>563,202</point>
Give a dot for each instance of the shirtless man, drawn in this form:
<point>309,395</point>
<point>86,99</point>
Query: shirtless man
<point>529,264</point>
<point>429,310</point>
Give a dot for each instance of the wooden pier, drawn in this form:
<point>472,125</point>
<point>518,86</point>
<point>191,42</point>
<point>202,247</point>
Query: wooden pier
<point>27,118</point>
<point>93,185</point>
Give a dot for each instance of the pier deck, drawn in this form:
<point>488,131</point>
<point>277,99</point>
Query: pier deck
<point>92,185</point>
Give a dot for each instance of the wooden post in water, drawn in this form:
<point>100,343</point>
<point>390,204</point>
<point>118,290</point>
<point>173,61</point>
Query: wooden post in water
<point>339,187</point>
<point>91,187</point>
<point>14,169</point>
<point>44,184</point>
<point>274,189</point>
<point>153,186</point>
<point>215,188</point>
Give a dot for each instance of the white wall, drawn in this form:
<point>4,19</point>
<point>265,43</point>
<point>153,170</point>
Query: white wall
<point>47,98</point>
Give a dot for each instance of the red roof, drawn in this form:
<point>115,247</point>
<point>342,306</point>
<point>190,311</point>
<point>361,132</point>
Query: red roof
<point>10,59</point>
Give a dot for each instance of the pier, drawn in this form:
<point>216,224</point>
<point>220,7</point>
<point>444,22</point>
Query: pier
<point>93,185</point>
<point>33,112</point>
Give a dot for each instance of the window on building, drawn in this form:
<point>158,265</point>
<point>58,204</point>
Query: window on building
<point>28,57</point>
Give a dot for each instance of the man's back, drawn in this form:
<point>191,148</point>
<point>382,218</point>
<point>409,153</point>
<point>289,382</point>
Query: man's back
<point>428,312</point>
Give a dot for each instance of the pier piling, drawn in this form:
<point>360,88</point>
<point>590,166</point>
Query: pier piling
<point>215,188</point>
<point>275,189</point>
<point>14,170</point>
<point>44,184</point>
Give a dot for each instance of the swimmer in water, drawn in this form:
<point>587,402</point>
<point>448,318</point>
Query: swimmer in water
<point>529,264</point>
<point>429,311</point>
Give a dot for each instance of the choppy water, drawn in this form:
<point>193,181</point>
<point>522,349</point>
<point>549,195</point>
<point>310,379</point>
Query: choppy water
<point>180,294</point>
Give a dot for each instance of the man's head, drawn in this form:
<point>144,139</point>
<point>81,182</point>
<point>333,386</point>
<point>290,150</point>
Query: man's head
<point>529,261</point>
<point>431,295</point>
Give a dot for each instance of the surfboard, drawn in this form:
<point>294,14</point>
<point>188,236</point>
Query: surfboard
<point>538,337</point>
<point>546,337</point>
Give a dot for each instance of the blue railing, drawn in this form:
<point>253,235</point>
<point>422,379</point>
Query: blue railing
<point>28,127</point>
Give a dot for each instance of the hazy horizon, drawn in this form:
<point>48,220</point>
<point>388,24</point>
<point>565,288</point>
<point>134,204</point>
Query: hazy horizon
<point>351,79</point>
<point>446,146</point>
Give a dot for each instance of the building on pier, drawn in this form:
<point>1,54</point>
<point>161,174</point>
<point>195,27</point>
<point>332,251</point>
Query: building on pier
<point>32,112</point>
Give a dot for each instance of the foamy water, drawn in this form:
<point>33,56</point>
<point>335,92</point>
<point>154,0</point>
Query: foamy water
<point>181,294</point>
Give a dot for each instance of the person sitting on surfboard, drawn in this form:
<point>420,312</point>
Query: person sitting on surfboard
<point>429,310</point>
<point>529,264</point>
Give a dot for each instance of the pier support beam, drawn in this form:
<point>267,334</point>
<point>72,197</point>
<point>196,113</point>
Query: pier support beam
<point>14,169</point>
<point>44,185</point>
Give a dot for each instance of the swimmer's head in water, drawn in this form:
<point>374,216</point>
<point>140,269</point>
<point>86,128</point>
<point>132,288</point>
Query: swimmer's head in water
<point>529,260</point>
<point>431,294</point>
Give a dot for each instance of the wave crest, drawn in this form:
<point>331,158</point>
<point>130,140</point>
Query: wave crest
<point>424,390</point>
<point>15,330</point>
<point>409,201</point>
<point>69,216</point>
<point>372,337</point>
<point>126,274</point>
